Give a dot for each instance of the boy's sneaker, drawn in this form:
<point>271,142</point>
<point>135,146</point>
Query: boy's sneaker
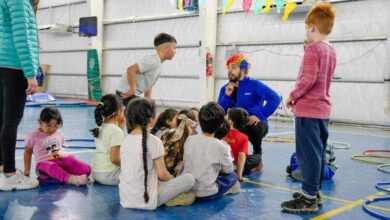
<point>183,199</point>
<point>300,204</point>
<point>318,198</point>
<point>297,175</point>
<point>234,189</point>
<point>18,181</point>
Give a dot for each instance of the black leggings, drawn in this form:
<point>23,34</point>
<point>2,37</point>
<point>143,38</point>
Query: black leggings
<point>12,100</point>
<point>255,134</point>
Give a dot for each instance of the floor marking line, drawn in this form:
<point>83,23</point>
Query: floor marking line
<point>338,210</point>
<point>349,206</point>
<point>294,190</point>
<point>73,152</point>
<point>335,199</point>
<point>279,133</point>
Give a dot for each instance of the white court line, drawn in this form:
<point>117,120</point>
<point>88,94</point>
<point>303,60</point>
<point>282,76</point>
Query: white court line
<point>278,133</point>
<point>74,152</point>
<point>330,131</point>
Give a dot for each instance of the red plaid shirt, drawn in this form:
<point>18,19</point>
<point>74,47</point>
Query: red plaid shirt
<point>311,94</point>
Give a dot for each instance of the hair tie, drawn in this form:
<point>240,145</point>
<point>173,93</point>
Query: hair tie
<point>101,103</point>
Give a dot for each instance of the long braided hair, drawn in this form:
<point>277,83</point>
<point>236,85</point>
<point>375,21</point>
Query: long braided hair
<point>107,107</point>
<point>139,112</point>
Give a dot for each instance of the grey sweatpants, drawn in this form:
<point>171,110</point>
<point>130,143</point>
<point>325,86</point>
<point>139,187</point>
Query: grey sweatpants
<point>107,178</point>
<point>170,189</point>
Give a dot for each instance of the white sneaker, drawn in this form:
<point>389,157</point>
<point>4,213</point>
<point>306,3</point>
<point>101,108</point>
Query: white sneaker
<point>18,181</point>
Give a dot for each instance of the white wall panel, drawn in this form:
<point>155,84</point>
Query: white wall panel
<point>48,3</point>
<point>66,63</point>
<point>185,30</point>
<point>117,9</point>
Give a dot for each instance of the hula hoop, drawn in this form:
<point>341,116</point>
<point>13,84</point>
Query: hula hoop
<point>281,139</point>
<point>373,213</point>
<point>68,140</point>
<point>341,145</point>
<point>357,158</point>
<point>380,184</point>
<point>372,152</point>
<point>380,168</point>
<point>67,147</point>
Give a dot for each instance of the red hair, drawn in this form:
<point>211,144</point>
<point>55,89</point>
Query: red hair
<point>322,15</point>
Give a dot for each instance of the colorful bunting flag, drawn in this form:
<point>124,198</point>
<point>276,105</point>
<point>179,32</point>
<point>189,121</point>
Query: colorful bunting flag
<point>227,5</point>
<point>280,5</point>
<point>290,6</point>
<point>246,5</point>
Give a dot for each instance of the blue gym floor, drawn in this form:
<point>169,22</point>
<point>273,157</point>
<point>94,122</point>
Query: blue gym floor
<point>258,199</point>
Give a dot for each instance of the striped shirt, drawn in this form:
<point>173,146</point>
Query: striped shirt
<point>311,94</point>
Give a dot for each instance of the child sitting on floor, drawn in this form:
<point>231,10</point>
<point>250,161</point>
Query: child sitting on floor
<point>165,121</point>
<point>208,159</point>
<point>109,136</point>
<point>51,161</point>
<point>142,165</point>
<point>330,169</point>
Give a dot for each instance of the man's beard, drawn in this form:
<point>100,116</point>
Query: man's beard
<point>235,79</point>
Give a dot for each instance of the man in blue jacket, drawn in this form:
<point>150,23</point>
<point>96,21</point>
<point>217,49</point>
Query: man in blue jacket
<point>252,95</point>
<point>18,67</point>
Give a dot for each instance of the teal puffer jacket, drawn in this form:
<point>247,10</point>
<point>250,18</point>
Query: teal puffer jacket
<point>18,36</point>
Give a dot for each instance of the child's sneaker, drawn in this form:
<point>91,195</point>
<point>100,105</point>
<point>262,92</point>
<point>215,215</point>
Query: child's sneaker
<point>318,198</point>
<point>18,181</point>
<point>183,199</point>
<point>79,180</point>
<point>297,175</point>
<point>234,189</point>
<point>301,204</point>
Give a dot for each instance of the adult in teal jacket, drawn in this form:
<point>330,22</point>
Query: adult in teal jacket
<point>252,95</point>
<point>18,67</point>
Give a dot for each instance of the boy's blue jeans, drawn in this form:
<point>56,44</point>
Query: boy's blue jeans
<point>311,137</point>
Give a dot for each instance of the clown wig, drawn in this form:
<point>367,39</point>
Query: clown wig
<point>239,59</point>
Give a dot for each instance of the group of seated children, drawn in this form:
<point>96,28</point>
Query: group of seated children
<point>163,161</point>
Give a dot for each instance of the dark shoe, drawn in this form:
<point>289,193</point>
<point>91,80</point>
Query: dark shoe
<point>318,199</point>
<point>300,204</point>
<point>288,169</point>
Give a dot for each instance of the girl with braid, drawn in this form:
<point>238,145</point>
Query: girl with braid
<point>110,121</point>
<point>142,165</point>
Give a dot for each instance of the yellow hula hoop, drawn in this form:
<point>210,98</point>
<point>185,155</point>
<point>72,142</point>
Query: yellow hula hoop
<point>358,157</point>
<point>283,139</point>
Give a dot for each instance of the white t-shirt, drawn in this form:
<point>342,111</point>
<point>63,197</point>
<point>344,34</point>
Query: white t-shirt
<point>131,179</point>
<point>203,158</point>
<point>110,135</point>
<point>150,68</point>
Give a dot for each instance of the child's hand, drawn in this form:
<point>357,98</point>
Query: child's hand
<point>229,89</point>
<point>290,103</point>
<point>253,120</point>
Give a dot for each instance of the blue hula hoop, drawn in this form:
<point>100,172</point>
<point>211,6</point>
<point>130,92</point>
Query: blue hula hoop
<point>380,184</point>
<point>373,213</point>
